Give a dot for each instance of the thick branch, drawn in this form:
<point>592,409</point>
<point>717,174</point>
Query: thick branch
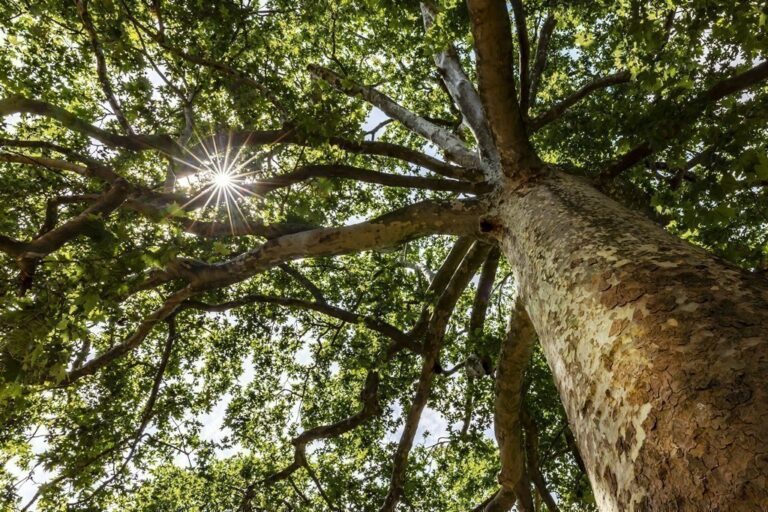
<point>477,324</point>
<point>440,281</point>
<point>433,343</point>
<point>101,66</point>
<point>239,227</point>
<point>57,237</point>
<point>41,161</point>
<point>454,148</point>
<point>513,359</point>
<point>557,110</point>
<point>493,47</point>
<point>420,219</point>
<point>265,186</point>
<point>524,50</point>
<point>22,105</point>
<point>540,61</point>
<point>532,456</point>
<point>716,92</point>
<point>461,90</point>
<point>392,229</point>
<point>483,293</point>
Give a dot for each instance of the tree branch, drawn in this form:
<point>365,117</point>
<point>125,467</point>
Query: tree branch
<point>524,50</point>
<point>416,220</point>
<point>291,136</point>
<point>532,455</point>
<point>101,66</point>
<point>493,47</point>
<point>454,148</point>
<point>50,239</point>
<point>557,110</point>
<point>305,282</point>
<point>370,408</point>
<point>148,410</point>
<point>307,172</point>
<point>483,293</point>
<point>399,338</point>
<point>513,359</point>
<point>169,307</point>
<point>21,105</point>
<point>432,345</point>
<point>92,170</point>
<point>716,92</point>
<point>55,238</point>
<point>461,90</point>
<point>477,323</point>
<point>540,60</point>
<point>439,282</point>
<point>420,219</point>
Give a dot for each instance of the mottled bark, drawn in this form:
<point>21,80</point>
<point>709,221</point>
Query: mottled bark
<point>658,349</point>
<point>513,359</point>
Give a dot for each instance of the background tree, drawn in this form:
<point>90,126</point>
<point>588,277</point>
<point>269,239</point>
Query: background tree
<point>254,252</point>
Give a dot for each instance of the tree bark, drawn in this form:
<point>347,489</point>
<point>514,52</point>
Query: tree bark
<point>658,349</point>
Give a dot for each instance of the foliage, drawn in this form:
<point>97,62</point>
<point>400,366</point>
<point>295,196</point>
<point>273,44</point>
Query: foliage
<point>239,385</point>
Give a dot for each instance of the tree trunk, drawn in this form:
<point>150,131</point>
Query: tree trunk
<point>658,349</point>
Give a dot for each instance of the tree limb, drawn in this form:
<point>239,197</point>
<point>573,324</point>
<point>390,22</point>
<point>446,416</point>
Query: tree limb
<point>524,51</point>
<point>55,238</point>
<point>307,172</point>
<point>495,59</point>
<point>420,219</point>
<point>93,170</point>
<point>148,410</point>
<point>20,105</point>
<point>432,345</point>
<point>290,135</point>
<point>169,307</point>
<point>101,66</point>
<point>461,90</point>
<point>454,148</point>
<point>399,338</point>
<point>426,217</point>
<point>304,281</point>
<point>558,109</point>
<point>477,322</point>
<point>540,60</point>
<point>483,293</point>
<point>532,456</point>
<point>439,282</point>
<point>370,408</point>
<point>714,93</point>
<point>513,359</point>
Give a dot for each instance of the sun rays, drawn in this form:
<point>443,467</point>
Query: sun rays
<point>222,173</point>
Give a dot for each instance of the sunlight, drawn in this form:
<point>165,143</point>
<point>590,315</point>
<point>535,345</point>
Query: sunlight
<point>222,172</point>
<point>223,180</point>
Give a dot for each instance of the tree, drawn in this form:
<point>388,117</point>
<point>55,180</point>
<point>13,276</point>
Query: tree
<point>205,216</point>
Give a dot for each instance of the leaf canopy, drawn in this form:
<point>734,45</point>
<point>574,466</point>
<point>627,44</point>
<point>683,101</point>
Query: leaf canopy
<point>209,401</point>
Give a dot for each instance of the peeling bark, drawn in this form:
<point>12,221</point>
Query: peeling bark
<point>513,359</point>
<point>658,350</point>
